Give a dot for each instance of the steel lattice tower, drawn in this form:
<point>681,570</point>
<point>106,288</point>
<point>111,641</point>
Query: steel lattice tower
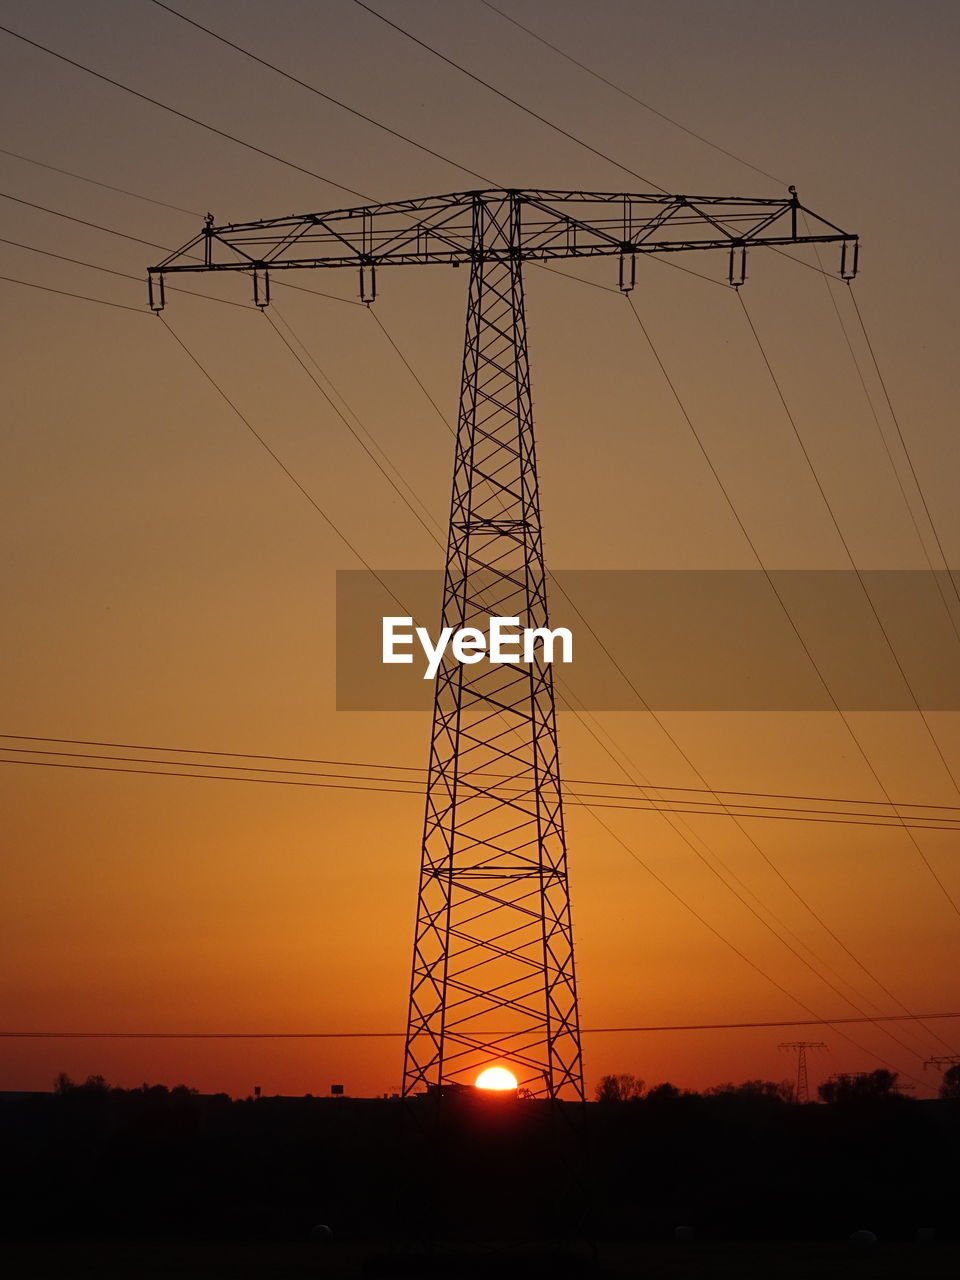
<point>493,970</point>
<point>801,1046</point>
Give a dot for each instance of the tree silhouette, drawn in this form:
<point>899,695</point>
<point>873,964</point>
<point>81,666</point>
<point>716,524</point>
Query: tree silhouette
<point>618,1088</point>
<point>755,1091</point>
<point>950,1085</point>
<point>868,1086</point>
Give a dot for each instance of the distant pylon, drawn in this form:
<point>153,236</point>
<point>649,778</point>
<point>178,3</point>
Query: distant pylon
<point>801,1047</point>
<point>943,1062</point>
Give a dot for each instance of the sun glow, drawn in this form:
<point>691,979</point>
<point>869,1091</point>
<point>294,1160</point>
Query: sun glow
<point>496,1078</point>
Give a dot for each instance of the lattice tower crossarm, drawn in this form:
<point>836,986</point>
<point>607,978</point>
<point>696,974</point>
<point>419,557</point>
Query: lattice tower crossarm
<point>493,976</point>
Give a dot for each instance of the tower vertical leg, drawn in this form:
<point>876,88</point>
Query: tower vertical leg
<point>803,1090</point>
<point>493,970</point>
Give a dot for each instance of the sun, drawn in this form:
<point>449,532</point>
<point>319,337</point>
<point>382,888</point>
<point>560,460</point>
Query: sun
<point>496,1078</point>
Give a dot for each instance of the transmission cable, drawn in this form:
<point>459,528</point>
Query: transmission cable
<point>343,537</point>
<point>150,244</point>
<point>280,463</point>
<point>846,547</point>
<point>733,947</point>
<point>815,666</point>
<point>619,89</point>
<point>233,139</point>
<point>800,898</point>
<point>506,97</point>
<point>779,931</point>
<point>500,784</point>
<point>422,769</point>
<point>431,533</point>
<point>68,173</point>
<point>398,1035</point>
<point>828,279</point>
<point>275,157</point>
<point>64,293</point>
<point>900,436</point>
<point>270,155</point>
<point>124,275</point>
<point>311,88</point>
<point>796,894</point>
<point>789,617</point>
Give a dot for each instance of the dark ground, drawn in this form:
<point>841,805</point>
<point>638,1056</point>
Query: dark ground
<point>157,1183</point>
<point>271,1260</point>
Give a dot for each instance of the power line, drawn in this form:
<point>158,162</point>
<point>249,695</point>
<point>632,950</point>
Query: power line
<point>421,769</point>
<point>382,1035</point>
<point>378,124</point>
<point>782,927</point>
<point>274,456</point>
<point>64,293</point>
<point>356,434</point>
<point>619,89</point>
<point>890,458</point>
<point>632,853</point>
<point>406,138</point>
<point>783,605</point>
<point>513,101</point>
<point>778,935</point>
<point>800,897</point>
<point>778,930</point>
<point>430,49</point>
<point>350,412</point>
<point>900,436</point>
<point>183,115</point>
<point>150,244</point>
<point>506,787</point>
<point>68,173</point>
<point>506,97</point>
<point>320,511</point>
<point>111,271</point>
<point>282,465</point>
<point>364,6</point>
<point>735,817</point>
<point>846,546</point>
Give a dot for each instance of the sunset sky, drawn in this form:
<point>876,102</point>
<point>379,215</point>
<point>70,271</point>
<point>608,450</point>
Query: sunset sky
<point>166,585</point>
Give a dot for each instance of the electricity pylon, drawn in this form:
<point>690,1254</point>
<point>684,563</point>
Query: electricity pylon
<point>493,976</point>
<point>943,1062</point>
<point>801,1046</point>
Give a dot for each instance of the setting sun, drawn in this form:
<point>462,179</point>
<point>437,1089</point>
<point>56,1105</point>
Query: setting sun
<point>496,1078</point>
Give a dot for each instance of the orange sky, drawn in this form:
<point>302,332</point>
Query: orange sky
<point>165,583</point>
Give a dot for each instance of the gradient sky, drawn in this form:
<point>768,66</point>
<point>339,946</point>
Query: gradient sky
<point>163,582</point>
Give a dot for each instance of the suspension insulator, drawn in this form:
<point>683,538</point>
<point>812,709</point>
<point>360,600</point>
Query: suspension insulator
<point>737,271</point>
<point>368,282</point>
<point>156,292</point>
<point>261,287</point>
<point>628,270</point>
<point>849,259</point>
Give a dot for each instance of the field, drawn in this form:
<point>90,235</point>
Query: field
<point>259,1260</point>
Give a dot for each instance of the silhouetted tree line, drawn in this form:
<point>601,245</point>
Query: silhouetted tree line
<point>861,1086</point>
<point>738,1160</point>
